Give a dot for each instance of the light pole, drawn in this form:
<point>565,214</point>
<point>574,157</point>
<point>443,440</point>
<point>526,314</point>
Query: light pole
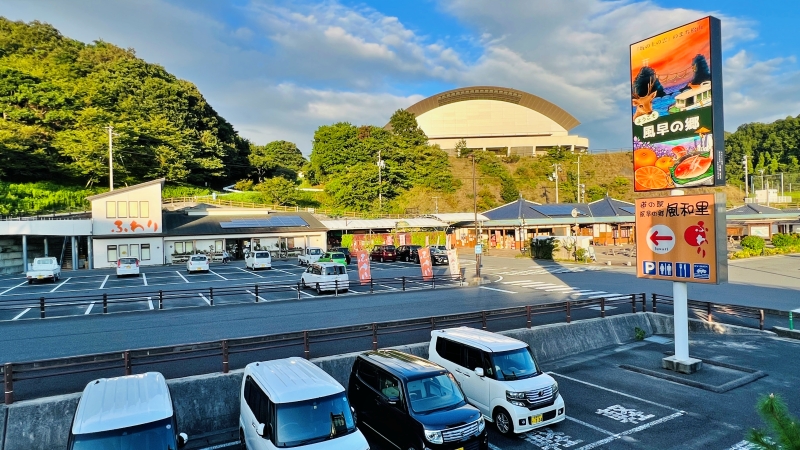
<point>435,205</point>
<point>381,165</point>
<point>746,187</point>
<point>556,169</point>
<point>579,178</point>
<point>110,157</point>
<point>475,210</point>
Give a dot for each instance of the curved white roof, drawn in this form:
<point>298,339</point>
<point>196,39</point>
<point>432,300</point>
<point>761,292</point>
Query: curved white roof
<point>293,379</point>
<point>367,224</point>
<point>114,403</point>
<point>485,340</point>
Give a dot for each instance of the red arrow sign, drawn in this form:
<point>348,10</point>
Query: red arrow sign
<point>655,238</point>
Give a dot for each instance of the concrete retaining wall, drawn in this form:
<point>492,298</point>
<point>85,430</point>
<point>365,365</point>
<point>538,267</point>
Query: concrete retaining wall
<point>208,403</point>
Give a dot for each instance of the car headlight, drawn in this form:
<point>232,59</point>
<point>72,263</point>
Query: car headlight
<point>555,390</point>
<point>481,424</point>
<point>434,437</point>
<point>516,398</point>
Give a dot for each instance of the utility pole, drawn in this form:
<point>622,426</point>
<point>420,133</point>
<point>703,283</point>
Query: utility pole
<point>110,157</point>
<point>746,186</point>
<point>436,205</point>
<point>579,178</point>
<point>475,210</point>
<point>381,165</point>
<point>556,169</point>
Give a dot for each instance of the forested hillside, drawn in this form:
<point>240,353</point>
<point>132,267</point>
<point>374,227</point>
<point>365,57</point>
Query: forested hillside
<point>774,147</point>
<point>58,95</point>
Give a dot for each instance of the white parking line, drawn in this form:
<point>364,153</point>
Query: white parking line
<point>89,309</point>
<point>605,294</point>
<point>260,298</point>
<point>229,444</point>
<point>616,392</point>
<point>61,284</point>
<point>546,286</point>
<point>302,292</point>
<point>215,273</point>
<point>144,278</point>
<point>285,271</point>
<point>498,290</point>
<point>588,425</point>
<point>493,447</point>
<point>24,282</point>
<point>181,275</point>
<point>104,282</point>
<point>561,289</point>
<point>150,302</point>
<point>631,431</point>
<point>388,287</point>
<point>204,298</point>
<point>22,313</point>
<point>249,272</point>
<point>592,293</point>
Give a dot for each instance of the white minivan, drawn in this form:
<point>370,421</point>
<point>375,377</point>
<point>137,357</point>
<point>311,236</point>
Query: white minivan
<point>293,403</point>
<point>326,276</point>
<point>259,259</point>
<point>133,411</point>
<point>499,376</point>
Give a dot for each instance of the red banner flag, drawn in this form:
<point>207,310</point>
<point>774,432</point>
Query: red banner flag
<point>362,262</point>
<point>425,263</point>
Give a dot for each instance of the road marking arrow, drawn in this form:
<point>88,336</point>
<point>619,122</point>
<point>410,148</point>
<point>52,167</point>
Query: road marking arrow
<point>655,238</point>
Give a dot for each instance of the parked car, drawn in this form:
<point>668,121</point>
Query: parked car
<point>259,259</point>
<point>499,376</point>
<point>383,253</point>
<point>293,403</point>
<point>334,257</point>
<point>344,250</point>
<point>326,276</point>
<point>413,403</point>
<point>44,269</point>
<point>309,255</point>
<point>438,254</point>
<point>133,411</point>
<point>198,263</point>
<point>127,266</point>
<point>408,253</point>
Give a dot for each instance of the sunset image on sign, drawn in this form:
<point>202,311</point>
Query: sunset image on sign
<point>673,91</point>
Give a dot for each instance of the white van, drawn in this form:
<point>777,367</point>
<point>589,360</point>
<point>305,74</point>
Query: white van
<point>293,403</point>
<point>259,259</point>
<point>198,263</point>
<point>133,411</point>
<point>499,376</point>
<point>326,276</point>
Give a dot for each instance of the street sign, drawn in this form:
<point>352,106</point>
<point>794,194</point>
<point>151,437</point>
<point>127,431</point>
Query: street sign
<point>478,249</point>
<point>682,238</point>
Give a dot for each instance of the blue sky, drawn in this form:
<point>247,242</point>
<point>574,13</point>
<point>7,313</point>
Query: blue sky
<point>278,69</point>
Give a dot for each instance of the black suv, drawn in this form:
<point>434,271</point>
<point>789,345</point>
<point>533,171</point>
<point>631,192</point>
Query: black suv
<point>408,253</point>
<point>413,403</point>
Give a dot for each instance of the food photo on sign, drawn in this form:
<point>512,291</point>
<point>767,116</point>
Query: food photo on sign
<point>672,111</point>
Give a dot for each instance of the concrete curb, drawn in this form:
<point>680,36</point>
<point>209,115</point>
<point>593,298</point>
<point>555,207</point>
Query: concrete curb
<point>787,333</point>
<point>3,412</point>
<point>40,424</point>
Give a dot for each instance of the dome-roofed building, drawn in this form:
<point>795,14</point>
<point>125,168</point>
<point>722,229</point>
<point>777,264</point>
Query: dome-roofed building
<point>502,120</point>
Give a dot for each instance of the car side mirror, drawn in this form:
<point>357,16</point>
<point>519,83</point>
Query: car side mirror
<point>260,429</point>
<point>183,438</point>
<point>393,400</point>
<point>479,372</point>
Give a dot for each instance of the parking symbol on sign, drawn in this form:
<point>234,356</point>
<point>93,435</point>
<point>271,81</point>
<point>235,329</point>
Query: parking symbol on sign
<point>702,271</point>
<point>649,267</point>
<point>683,270</point>
<point>665,269</point>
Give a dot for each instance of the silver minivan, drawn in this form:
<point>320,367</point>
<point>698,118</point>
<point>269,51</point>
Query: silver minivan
<point>259,259</point>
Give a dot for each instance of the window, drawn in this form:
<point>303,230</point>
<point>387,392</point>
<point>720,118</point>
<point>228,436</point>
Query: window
<point>135,250</point>
<point>123,250</point>
<point>449,350</point>
<point>178,247</point>
<point>217,246</point>
<point>474,358</point>
<point>368,374</point>
<point>145,252</point>
<point>122,209</point>
<point>189,246</point>
<point>144,209</point>
<point>257,401</point>
<point>111,210</point>
<point>389,385</point>
<point>133,209</point>
<point>111,251</point>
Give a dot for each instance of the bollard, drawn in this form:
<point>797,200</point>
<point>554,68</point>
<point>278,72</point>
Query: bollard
<point>528,314</point>
<point>211,296</point>
<point>404,284</point>
<point>791,321</point>
<point>603,307</point>
<point>483,319</point>
<point>761,320</point>
<point>374,336</point>
<point>569,310</point>
<point>433,281</point>
<point>41,307</point>
<point>644,302</point>
<point>105,303</point>
<point>433,323</point>
<point>306,345</point>
<point>654,303</point>
<point>127,358</point>
<point>160,299</point>
<point>225,365</point>
<point>8,382</point>
<point>633,303</point>
<point>708,311</point>
<point>256,292</point>
<point>370,286</point>
<point>335,288</point>
<point>298,290</point>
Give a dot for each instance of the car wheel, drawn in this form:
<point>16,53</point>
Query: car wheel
<point>319,291</point>
<point>117,276</point>
<point>30,281</point>
<point>242,443</point>
<point>303,283</point>
<point>416,259</point>
<point>381,258</point>
<point>502,421</point>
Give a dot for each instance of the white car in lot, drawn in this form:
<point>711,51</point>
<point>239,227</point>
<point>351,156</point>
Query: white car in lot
<point>259,259</point>
<point>198,263</point>
<point>127,266</point>
<point>326,276</point>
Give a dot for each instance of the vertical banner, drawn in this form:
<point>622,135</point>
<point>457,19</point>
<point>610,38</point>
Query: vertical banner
<point>676,99</point>
<point>425,263</point>
<point>362,259</point>
<point>452,259</point>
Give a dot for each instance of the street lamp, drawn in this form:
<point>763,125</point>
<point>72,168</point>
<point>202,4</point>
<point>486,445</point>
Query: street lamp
<point>475,211</point>
<point>579,178</point>
<point>554,177</point>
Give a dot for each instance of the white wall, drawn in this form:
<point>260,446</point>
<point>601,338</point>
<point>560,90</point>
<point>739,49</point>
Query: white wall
<point>486,117</point>
<point>133,222</point>
<point>100,249</point>
<point>81,227</point>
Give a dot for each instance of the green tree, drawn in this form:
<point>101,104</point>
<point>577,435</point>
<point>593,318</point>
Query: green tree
<point>278,158</point>
<point>278,191</point>
<point>785,429</point>
<point>404,124</point>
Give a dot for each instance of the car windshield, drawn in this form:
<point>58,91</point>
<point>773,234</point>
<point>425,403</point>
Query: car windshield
<point>260,255</point>
<point>434,393</point>
<point>315,251</point>
<point>514,364</point>
<point>198,258</point>
<point>317,420</point>
<point>44,261</point>
<point>157,435</point>
<point>337,255</point>
<point>127,260</point>
<point>389,248</point>
<point>334,270</point>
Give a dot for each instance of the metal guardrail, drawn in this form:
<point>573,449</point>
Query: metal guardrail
<point>706,310</point>
<point>255,290</point>
<point>223,349</point>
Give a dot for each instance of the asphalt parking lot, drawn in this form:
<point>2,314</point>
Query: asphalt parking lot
<point>80,292</point>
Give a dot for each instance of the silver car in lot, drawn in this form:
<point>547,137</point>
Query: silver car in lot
<point>127,266</point>
<point>198,263</point>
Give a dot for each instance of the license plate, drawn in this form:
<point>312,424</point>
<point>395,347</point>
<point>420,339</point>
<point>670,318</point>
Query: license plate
<point>40,277</point>
<point>127,267</point>
<point>460,448</point>
<point>535,419</point>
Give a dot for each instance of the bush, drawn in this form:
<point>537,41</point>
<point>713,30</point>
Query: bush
<point>582,255</point>
<point>639,334</point>
<point>543,248</point>
<point>785,240</point>
<point>753,243</point>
